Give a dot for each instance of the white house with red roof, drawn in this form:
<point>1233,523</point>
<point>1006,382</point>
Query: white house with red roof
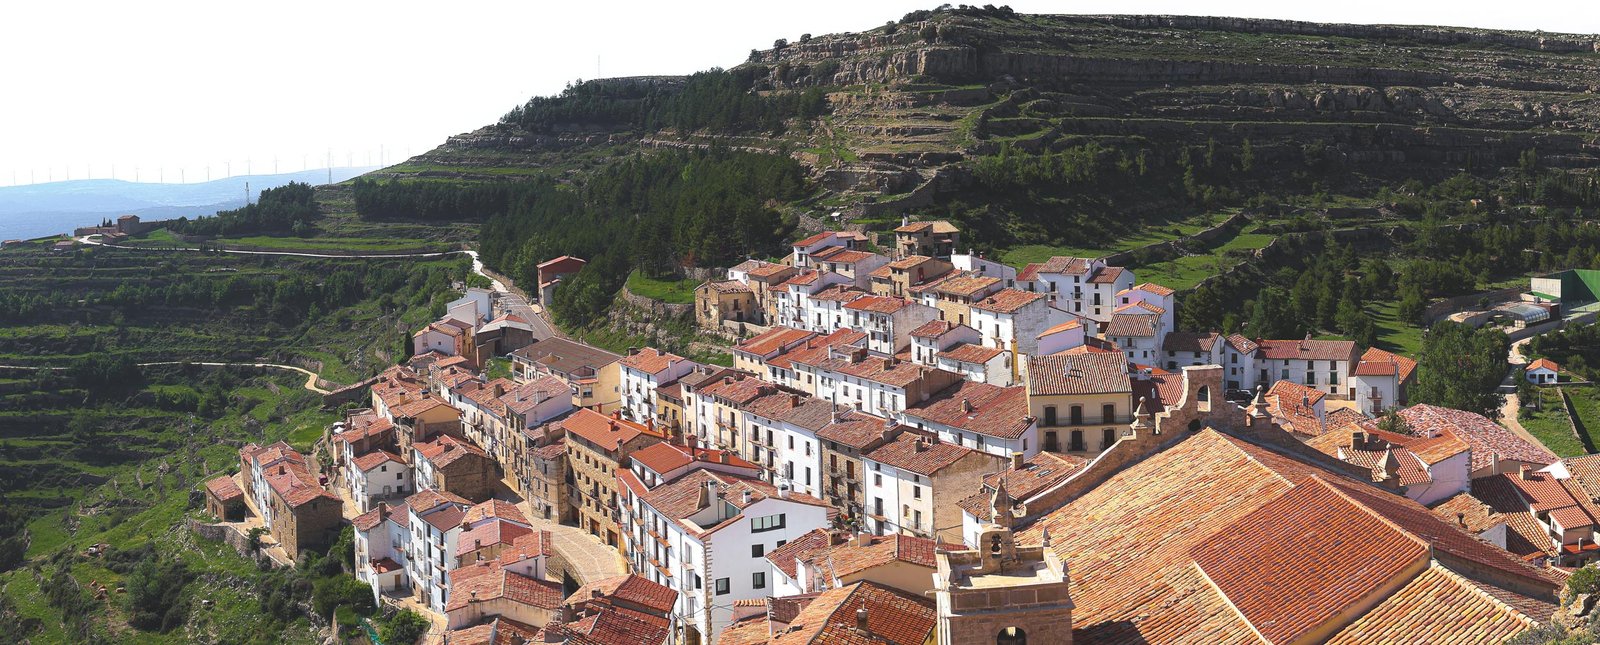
<point>434,544</point>
<point>643,371</point>
<point>1322,364</point>
<point>378,475</point>
<point>887,321</point>
<point>986,418</point>
<point>1012,319</point>
<point>1062,337</point>
<point>913,482</point>
<point>1157,296</point>
<point>705,533</point>
<point>783,438</point>
<point>936,336</point>
<point>793,297</point>
<point>380,536</point>
<point>1085,287</point>
<point>804,249</point>
<point>979,363</point>
<point>1542,371</point>
<point>1381,379</point>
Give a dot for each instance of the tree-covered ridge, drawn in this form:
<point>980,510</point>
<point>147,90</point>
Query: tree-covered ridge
<point>285,209</point>
<point>716,99</point>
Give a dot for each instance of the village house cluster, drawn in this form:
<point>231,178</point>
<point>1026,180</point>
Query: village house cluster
<point>931,447</point>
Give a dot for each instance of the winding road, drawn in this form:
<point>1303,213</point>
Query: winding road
<point>310,384</point>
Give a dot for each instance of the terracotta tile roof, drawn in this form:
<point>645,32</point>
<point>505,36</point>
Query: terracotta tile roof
<point>800,410</point>
<point>533,544</point>
<point>445,450</point>
<point>893,616</point>
<point>727,286</point>
<point>426,500</point>
<point>1078,374</point>
<point>627,588</point>
<point>1066,326</point>
<point>1242,345</point>
<point>417,407</point>
<point>738,389</point>
<point>1106,275</point>
<point>650,360</point>
<point>838,293</point>
<point>1586,471</point>
<point>893,371</point>
<point>1412,614</point>
<point>747,265</point>
<point>608,626</point>
<point>377,458</point>
<point>1139,307</point>
<point>1065,265</point>
<point>908,262</point>
<point>963,284</point>
<point>934,329</point>
<point>1484,436</point>
<point>499,630</point>
<point>495,508</point>
<point>371,426</point>
<point>1132,325</point>
<point>223,488</point>
<point>847,558</point>
<point>609,433</point>
<point>1408,467</point>
<point>774,340</point>
<point>1007,301</point>
<point>1151,287</point>
<point>1500,502</point>
<point>816,349</point>
<point>445,519</point>
<point>1188,341</point>
<point>1543,363</point>
<point>805,277</point>
<point>877,304</point>
<point>679,498</point>
<point>400,513</point>
<point>1030,272</point>
<point>1376,362</point>
<point>1163,389</point>
<point>842,255</point>
<point>788,556</point>
<point>971,353</point>
<point>489,581</point>
<point>917,453</point>
<point>290,480</point>
<point>770,270</point>
<point>385,565</point>
<point>825,235</point>
<point>1312,350</point>
<point>1303,558</point>
<point>977,407</point>
<point>1294,405</point>
<point>553,450</point>
<point>1039,472</point>
<point>1346,419</point>
<point>936,227</point>
<point>1129,542</point>
<point>857,430</point>
<point>665,457</point>
<point>489,534</point>
<point>522,399</point>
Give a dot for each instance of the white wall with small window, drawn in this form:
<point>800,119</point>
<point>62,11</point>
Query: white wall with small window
<point>898,501</point>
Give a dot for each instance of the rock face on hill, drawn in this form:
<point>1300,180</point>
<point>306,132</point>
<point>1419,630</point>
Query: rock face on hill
<point>910,102</point>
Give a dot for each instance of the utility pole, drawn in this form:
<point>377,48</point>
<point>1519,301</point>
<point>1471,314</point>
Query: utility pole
<point>247,193</point>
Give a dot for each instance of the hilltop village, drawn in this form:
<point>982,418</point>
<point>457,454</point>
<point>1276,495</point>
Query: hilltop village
<point>919,445</point>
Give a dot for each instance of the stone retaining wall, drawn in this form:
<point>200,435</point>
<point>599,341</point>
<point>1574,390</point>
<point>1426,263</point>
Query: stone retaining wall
<point>654,306</point>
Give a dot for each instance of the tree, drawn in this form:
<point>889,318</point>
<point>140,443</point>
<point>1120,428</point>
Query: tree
<point>404,627</point>
<point>1460,367</point>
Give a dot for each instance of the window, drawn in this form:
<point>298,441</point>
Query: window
<point>767,523</point>
<point>877,479</point>
<point>758,580</point>
<point>722,586</point>
<point>758,550</point>
<point>1049,415</point>
<point>1109,437</point>
<point>1108,413</point>
<point>916,492</point>
<point>1076,415</point>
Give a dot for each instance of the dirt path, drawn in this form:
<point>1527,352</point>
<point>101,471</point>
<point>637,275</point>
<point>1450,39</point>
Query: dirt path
<point>310,384</point>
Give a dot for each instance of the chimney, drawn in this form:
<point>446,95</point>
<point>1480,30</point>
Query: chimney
<point>281,469</point>
<point>888,362</point>
<point>632,350</point>
<point>1461,518</point>
<point>794,400</point>
<point>861,620</point>
<point>705,496</point>
<point>613,425</point>
<point>783,490</point>
<point>745,498</point>
<point>474,595</point>
<point>966,404</point>
<point>477,544</point>
<point>1358,438</point>
<point>1016,461</point>
<point>616,414</point>
<point>921,445</point>
<point>1525,472</point>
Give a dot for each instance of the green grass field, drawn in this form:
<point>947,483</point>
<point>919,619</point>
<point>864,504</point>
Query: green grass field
<point>1586,403</point>
<point>669,291</point>
<point>1549,424</point>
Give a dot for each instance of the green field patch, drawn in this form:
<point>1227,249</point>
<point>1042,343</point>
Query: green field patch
<point>669,291</point>
<point>1550,426</point>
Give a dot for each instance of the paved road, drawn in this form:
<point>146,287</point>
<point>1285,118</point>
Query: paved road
<point>310,384</point>
<point>1511,404</point>
<point>513,303</point>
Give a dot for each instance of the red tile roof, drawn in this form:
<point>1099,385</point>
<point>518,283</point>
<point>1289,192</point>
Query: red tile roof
<point>1377,362</point>
<point>607,432</point>
<point>1041,471</point>
<point>679,498</point>
<point>1134,544</point>
<point>1064,264</point>
<point>223,488</point>
<point>788,556</point>
<point>1066,326</point>
<point>825,235</point>
<point>1105,275</point>
<point>848,558</point>
<point>977,407</point>
<point>609,626</point>
<point>775,340</point>
<point>1486,438</point>
<point>1078,374</point>
<point>893,616</point>
<point>377,458</point>
<point>919,454</point>
<point>937,226</point>
<point>1475,613</point>
<point>1154,288</point>
<point>489,534</point>
<point>666,457</point>
<point>857,430</point>
<point>1187,341</point>
<point>963,284</point>
<point>426,500</point>
<point>383,511</point>
<point>499,630</point>
<point>487,580</point>
<point>445,450</point>
<point>1308,350</point>
<point>1007,301</point>
<point>427,403</point>
<point>533,544</point>
<point>727,286</point>
<point>877,304</point>
<point>842,255</point>
<point>495,508</point>
<point>650,360</point>
<point>971,353</point>
<point>1132,326</point>
<point>627,588</point>
<point>1544,363</point>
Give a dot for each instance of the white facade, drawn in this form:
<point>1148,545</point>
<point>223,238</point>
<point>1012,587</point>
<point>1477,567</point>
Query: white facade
<point>433,340</point>
<point>903,499</point>
<point>433,556</point>
<point>1330,376</point>
<point>1000,329</point>
<point>474,308</point>
<point>1161,297</point>
<point>386,479</point>
<point>1375,394</point>
<point>1448,477</point>
<point>996,371</point>
<point>1027,443</point>
<point>1060,338</point>
<point>639,387</point>
<point>975,264</point>
<point>925,349</point>
<point>1541,375</point>
<point>385,540</point>
<point>887,332</point>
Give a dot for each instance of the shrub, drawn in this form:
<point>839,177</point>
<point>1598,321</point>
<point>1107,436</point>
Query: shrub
<point>1584,580</point>
<point>403,627</point>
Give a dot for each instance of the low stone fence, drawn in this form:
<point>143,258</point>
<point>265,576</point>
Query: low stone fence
<point>230,535</point>
<point>654,306</point>
<point>1449,306</point>
<point>1173,247</point>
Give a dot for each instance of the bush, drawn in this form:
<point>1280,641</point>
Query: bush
<point>330,593</point>
<point>403,627</point>
<point>1584,580</point>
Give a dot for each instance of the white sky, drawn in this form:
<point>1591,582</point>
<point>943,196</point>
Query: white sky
<point>85,86</point>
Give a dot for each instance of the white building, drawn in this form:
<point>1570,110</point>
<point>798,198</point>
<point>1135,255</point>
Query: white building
<point>1013,319</point>
<point>1322,364</point>
<point>804,249</point>
<point>1080,286</point>
<point>1061,338</point>
<point>939,335</point>
<point>824,310</point>
<point>1382,379</point>
<point>783,427</point>
<point>435,520</point>
<point>979,363</point>
<point>705,534</point>
<point>1235,353</point>
<point>642,372</point>
<point>793,297</point>
<point>902,495</point>
<point>1543,371</point>
<point>888,322</point>
<point>378,475</point>
<point>1137,333</point>
<point>878,385</point>
<point>381,536</point>
<point>1155,295</point>
<point>976,264</point>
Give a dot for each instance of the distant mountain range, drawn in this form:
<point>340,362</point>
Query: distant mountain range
<point>38,210</point>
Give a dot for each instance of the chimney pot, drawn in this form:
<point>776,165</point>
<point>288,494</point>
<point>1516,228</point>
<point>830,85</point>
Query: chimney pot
<point>1461,518</point>
<point>1526,472</point>
<point>1016,461</point>
<point>966,404</point>
<point>861,620</point>
<point>794,400</point>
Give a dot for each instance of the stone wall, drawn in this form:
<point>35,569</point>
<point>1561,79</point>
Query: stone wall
<point>1449,306</point>
<point>230,535</point>
<point>1173,248</point>
<point>654,306</point>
